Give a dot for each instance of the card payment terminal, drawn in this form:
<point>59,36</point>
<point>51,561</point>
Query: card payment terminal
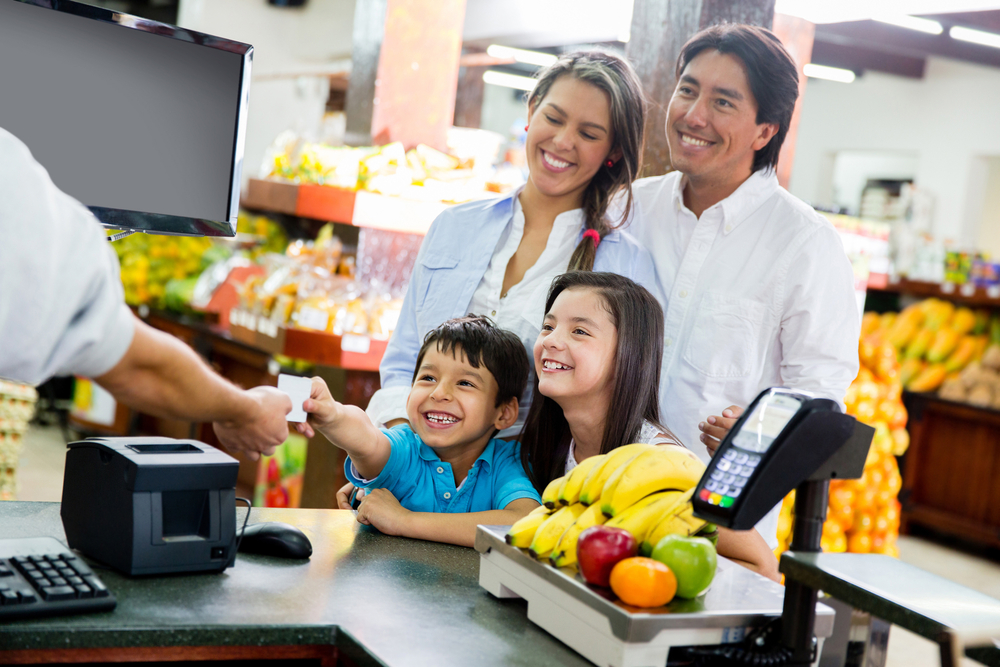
<point>783,438</point>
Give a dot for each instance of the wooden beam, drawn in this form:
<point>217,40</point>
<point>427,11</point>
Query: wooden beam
<point>797,36</point>
<point>659,30</point>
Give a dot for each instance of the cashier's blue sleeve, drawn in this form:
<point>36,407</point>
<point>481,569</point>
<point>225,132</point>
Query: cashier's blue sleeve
<point>398,469</point>
<point>510,481</point>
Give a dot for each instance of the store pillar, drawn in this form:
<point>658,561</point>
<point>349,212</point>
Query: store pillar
<point>404,71</point>
<point>797,36</point>
<point>659,30</point>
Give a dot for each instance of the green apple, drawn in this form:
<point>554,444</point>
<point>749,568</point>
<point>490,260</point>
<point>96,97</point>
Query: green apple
<point>691,559</point>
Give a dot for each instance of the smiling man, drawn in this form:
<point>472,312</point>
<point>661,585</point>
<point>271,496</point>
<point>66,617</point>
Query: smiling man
<point>759,289</point>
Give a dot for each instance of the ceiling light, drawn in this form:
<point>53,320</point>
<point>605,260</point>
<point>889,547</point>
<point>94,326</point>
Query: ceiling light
<point>825,11</point>
<point>975,36</point>
<point>912,22</point>
<point>509,80</point>
<point>828,73</point>
<point>521,55</point>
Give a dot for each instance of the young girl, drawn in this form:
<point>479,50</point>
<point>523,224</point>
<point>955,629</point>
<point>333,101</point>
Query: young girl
<point>597,362</point>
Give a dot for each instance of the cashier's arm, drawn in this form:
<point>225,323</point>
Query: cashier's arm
<point>161,376</point>
<point>380,508</point>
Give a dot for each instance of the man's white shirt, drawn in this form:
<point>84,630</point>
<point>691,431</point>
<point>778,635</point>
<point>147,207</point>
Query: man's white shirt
<point>759,293</point>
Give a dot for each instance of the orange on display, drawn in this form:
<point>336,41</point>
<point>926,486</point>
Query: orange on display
<point>643,582</point>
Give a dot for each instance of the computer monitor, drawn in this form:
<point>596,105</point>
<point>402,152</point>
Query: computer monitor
<point>141,121</point>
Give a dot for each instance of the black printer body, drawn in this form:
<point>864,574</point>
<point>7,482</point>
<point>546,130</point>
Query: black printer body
<point>151,505</point>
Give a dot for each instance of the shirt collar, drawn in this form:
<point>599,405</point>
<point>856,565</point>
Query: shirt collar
<point>428,454</point>
<point>565,220</point>
<point>738,206</point>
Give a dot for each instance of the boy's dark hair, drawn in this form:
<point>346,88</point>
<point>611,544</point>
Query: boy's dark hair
<point>771,73</point>
<point>483,343</point>
<point>635,396</point>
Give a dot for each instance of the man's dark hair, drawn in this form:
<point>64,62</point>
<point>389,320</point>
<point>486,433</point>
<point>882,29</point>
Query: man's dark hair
<point>771,72</point>
<point>483,343</point>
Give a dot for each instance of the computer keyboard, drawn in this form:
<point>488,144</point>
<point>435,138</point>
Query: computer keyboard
<point>39,576</point>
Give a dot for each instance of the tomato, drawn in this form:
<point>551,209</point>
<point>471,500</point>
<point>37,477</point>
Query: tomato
<point>691,559</point>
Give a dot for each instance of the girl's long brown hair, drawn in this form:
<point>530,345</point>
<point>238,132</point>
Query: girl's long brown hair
<point>635,396</point>
<point>615,76</point>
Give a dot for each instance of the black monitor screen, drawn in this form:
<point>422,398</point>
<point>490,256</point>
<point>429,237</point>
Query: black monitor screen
<point>138,120</point>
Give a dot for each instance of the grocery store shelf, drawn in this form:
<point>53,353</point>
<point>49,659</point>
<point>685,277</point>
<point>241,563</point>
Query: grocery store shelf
<point>350,351</point>
<point>351,207</point>
<point>967,293</point>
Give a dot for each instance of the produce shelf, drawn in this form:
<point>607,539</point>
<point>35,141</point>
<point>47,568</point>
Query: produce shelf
<point>968,293</point>
<point>351,207</point>
<point>350,351</point>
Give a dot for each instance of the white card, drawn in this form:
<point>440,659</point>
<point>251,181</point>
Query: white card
<point>298,389</point>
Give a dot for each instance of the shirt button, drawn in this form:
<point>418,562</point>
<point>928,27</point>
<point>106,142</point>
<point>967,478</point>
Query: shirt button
<point>494,313</point>
<point>684,293</point>
<point>440,469</point>
<point>729,228</point>
<point>667,342</point>
<point>447,495</point>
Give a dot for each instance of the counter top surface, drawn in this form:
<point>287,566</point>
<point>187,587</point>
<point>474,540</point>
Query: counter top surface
<point>408,602</point>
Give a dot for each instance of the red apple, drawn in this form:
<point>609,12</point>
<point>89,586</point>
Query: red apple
<point>599,548</point>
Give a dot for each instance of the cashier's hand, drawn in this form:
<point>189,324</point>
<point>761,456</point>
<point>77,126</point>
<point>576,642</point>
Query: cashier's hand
<point>323,409</point>
<point>262,428</point>
<point>380,508</point>
<point>715,428</point>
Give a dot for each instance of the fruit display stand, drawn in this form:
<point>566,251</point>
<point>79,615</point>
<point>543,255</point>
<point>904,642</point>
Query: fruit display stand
<point>608,632</point>
<point>951,469</point>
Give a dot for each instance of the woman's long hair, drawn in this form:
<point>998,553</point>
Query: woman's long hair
<point>615,76</point>
<point>635,395</point>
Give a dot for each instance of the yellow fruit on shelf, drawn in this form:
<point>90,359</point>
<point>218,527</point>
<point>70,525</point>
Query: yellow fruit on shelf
<point>963,321</point>
<point>962,354</point>
<point>944,343</point>
<point>870,322</point>
<point>918,346</point>
<point>902,331</point>
<point>929,379</point>
<point>886,320</point>
<point>909,369</point>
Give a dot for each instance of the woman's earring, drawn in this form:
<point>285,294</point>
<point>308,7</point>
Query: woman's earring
<point>525,128</point>
<point>609,164</point>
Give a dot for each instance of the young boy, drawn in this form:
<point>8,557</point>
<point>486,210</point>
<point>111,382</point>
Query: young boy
<point>443,473</point>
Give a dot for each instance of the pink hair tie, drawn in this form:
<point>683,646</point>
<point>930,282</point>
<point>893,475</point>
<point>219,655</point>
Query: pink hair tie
<point>593,235</point>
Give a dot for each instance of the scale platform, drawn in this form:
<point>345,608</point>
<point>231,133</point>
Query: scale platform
<point>610,633</point>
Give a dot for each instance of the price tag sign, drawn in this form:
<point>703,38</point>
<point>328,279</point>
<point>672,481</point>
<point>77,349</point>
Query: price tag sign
<point>267,327</point>
<point>313,318</point>
<point>947,288</point>
<point>355,343</point>
<point>993,291</point>
<point>968,289</point>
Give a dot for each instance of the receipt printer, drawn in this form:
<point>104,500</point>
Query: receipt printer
<point>151,505</point>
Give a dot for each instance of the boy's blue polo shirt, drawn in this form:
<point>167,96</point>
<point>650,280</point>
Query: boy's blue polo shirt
<point>422,482</point>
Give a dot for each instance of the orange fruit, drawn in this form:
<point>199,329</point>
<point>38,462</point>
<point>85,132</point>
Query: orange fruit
<point>863,521</point>
<point>859,543</point>
<point>643,582</point>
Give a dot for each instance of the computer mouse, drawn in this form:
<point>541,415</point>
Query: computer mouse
<point>273,538</point>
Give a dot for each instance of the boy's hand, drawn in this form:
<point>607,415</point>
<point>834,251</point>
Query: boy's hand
<point>323,410</point>
<point>344,496</point>
<point>715,428</point>
<point>380,508</point>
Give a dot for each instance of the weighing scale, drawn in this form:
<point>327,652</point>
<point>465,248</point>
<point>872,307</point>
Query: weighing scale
<point>786,439</point>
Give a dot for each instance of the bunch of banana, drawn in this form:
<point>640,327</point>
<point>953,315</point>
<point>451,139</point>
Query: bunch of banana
<point>564,553</point>
<point>678,519</point>
<point>522,532</point>
<point>657,469</point>
<point>552,528</point>
<point>641,488</point>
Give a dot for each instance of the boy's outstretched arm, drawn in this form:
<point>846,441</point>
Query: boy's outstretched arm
<point>381,509</point>
<point>749,549</point>
<point>348,427</point>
